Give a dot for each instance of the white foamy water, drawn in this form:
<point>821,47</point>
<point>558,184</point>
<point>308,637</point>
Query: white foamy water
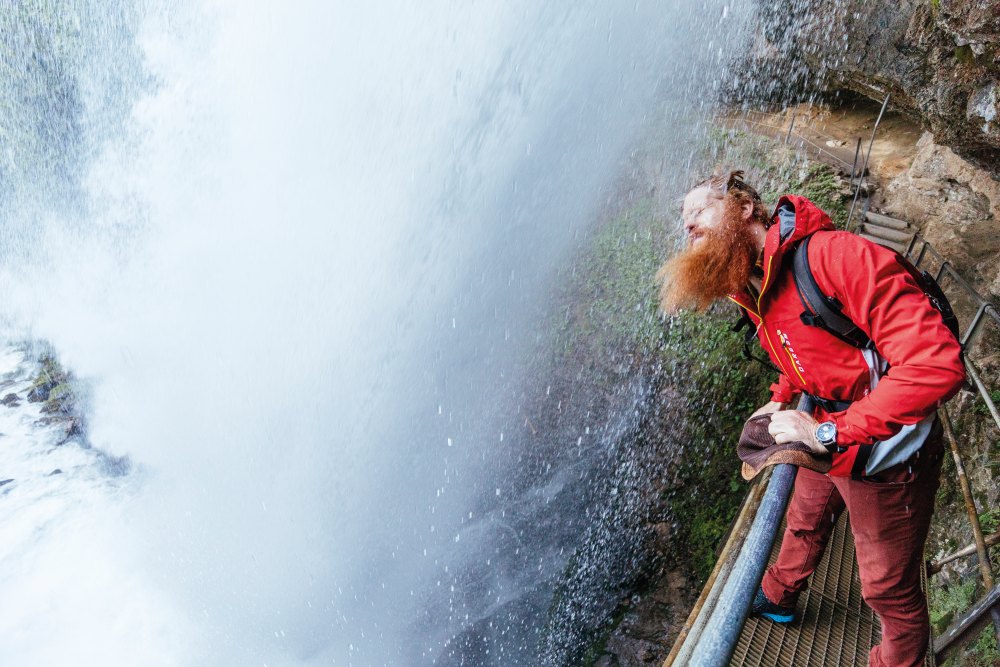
<point>297,262</point>
<point>74,592</point>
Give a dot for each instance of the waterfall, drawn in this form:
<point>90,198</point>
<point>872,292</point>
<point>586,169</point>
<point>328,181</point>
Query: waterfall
<point>299,251</point>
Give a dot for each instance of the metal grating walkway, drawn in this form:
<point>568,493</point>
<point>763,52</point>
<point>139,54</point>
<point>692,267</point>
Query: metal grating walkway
<point>835,626</point>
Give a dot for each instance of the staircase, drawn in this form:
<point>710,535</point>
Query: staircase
<point>889,232</point>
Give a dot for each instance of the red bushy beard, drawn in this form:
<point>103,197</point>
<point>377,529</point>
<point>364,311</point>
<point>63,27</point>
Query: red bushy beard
<point>718,265</point>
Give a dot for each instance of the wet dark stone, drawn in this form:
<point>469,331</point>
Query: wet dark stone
<point>39,394</point>
<point>11,400</point>
<point>57,471</point>
<point>5,482</point>
<point>73,429</point>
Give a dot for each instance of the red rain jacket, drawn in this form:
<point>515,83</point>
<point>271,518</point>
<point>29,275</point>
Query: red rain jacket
<point>880,297</point>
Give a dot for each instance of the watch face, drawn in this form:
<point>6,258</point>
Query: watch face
<point>826,432</point>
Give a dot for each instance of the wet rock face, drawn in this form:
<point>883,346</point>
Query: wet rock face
<point>956,205</point>
<point>938,59</point>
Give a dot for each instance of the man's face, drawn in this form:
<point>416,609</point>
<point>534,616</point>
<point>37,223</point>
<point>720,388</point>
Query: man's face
<point>720,252</point>
<point>702,211</point>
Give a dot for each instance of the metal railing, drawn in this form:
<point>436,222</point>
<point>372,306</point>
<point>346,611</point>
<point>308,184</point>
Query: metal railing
<point>986,311</point>
<point>709,637</point>
<point>755,119</point>
<point>864,169</point>
<point>919,251</point>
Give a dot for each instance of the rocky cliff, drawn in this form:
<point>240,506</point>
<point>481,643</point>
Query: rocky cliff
<point>939,60</point>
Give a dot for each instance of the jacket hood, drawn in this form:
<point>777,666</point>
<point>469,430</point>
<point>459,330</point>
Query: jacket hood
<point>794,218</point>
<point>808,218</point>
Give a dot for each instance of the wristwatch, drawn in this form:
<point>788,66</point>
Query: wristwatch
<point>826,435</point>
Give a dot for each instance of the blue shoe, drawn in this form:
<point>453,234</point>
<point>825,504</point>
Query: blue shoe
<point>767,609</point>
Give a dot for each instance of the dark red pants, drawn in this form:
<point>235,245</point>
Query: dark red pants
<point>889,515</point>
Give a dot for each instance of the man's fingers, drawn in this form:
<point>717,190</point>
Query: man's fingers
<point>780,435</point>
<point>779,423</point>
<point>783,432</point>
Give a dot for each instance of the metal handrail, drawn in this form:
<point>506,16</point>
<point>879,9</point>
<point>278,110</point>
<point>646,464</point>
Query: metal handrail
<point>981,544</point>
<point>762,114</point>
<point>688,637</point>
<point>715,643</point>
<point>984,307</point>
<point>799,136</point>
<point>718,639</point>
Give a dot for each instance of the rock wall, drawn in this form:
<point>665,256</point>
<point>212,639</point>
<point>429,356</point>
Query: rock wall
<point>938,59</point>
<point>956,205</point>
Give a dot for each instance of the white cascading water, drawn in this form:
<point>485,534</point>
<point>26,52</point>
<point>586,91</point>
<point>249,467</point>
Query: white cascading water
<point>296,254</point>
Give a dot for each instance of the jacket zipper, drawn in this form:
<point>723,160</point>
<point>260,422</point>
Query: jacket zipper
<point>761,327</point>
<point>767,336</point>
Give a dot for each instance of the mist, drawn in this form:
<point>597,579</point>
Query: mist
<point>297,258</point>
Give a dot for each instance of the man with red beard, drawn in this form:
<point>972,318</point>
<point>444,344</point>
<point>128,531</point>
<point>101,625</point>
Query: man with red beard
<point>876,414</point>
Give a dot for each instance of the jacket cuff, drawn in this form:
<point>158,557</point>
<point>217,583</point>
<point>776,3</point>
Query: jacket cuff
<point>847,435</point>
<point>780,393</point>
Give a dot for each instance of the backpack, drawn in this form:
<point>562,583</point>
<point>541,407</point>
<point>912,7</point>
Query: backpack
<point>826,313</point>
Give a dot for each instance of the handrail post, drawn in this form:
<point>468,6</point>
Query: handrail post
<point>920,257</point>
<point>974,374</point>
<point>974,325</point>
<point>868,155</point>
<point>854,166</point>
<point>788,137</point>
<point>970,508</point>
<point>941,270</point>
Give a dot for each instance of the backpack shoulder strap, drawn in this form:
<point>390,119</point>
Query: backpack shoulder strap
<point>823,311</point>
<point>935,294</point>
<point>748,337</point>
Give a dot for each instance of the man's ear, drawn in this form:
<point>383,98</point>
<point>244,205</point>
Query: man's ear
<point>746,210</point>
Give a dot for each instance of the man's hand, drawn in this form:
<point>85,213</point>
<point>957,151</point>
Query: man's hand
<point>773,406</point>
<point>794,425</point>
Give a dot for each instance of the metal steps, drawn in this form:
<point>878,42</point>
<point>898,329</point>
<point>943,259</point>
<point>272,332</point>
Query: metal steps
<point>886,231</point>
<point>886,221</point>
<point>898,247</point>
